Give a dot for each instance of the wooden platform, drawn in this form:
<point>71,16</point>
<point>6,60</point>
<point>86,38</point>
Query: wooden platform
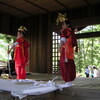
<point>83,89</point>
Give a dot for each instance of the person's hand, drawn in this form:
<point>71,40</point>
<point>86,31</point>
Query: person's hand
<point>61,30</point>
<point>66,60</point>
<point>27,62</point>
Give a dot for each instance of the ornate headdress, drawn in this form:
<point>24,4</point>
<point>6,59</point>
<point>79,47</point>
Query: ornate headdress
<point>61,18</point>
<point>22,28</point>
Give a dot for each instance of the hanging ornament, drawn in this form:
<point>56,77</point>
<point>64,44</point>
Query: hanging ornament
<point>61,18</point>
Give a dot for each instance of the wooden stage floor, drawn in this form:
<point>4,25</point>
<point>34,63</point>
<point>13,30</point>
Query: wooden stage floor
<point>83,89</point>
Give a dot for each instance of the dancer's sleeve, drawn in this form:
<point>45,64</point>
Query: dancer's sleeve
<point>63,39</point>
<point>16,43</point>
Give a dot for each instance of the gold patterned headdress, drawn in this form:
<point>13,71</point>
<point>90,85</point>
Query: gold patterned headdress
<point>61,18</point>
<point>22,28</point>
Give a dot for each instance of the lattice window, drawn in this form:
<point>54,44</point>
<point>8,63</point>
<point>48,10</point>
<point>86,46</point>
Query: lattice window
<point>55,53</point>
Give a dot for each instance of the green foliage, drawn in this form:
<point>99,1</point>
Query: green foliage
<point>89,50</point>
<point>92,28</point>
<point>5,40</point>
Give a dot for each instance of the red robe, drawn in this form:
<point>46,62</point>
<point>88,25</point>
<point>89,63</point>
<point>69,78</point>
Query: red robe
<point>68,70</point>
<point>21,57</point>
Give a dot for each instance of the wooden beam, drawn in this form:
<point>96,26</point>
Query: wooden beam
<point>61,4</point>
<point>88,35</point>
<point>86,21</point>
<point>16,8</point>
<point>86,1</point>
<point>36,5</point>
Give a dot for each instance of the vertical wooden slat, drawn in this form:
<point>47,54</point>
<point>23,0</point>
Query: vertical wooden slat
<point>49,46</point>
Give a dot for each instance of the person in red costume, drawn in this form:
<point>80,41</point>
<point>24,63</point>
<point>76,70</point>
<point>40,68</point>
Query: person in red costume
<point>67,44</point>
<point>21,53</point>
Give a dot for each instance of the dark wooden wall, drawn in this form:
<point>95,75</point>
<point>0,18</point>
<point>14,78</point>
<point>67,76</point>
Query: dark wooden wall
<point>38,38</point>
<point>9,24</point>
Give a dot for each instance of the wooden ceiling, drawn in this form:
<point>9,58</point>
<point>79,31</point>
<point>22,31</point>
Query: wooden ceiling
<point>24,8</point>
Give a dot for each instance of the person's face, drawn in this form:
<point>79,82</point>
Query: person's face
<point>64,26</point>
<point>19,34</point>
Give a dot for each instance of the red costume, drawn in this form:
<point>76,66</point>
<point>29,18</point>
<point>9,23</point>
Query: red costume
<point>21,57</point>
<point>68,70</point>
